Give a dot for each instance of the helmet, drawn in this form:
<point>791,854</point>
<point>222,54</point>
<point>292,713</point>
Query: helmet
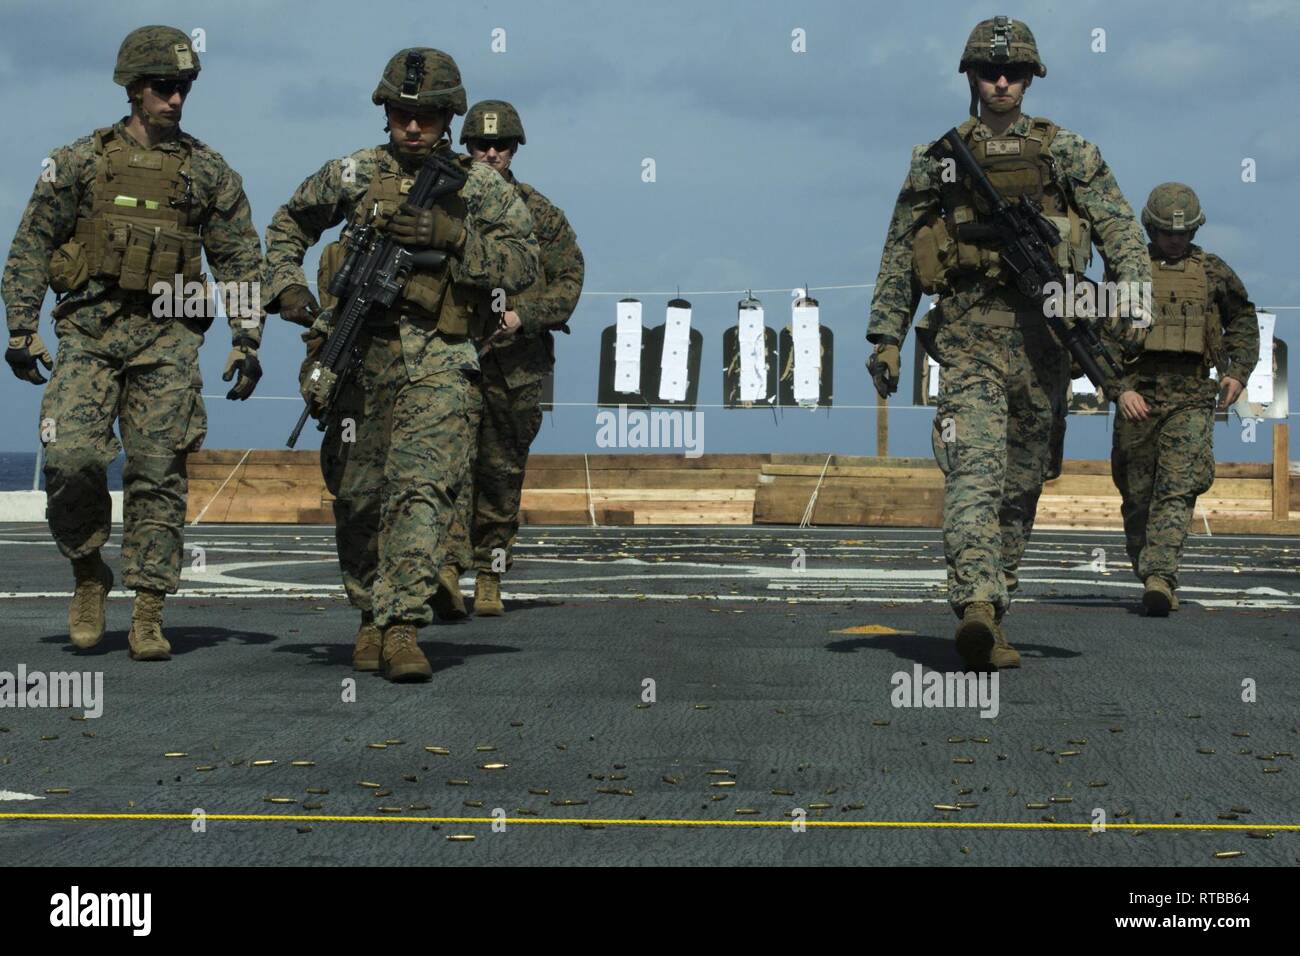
<point>492,119</point>
<point>1172,207</point>
<point>155,51</point>
<point>1001,40</point>
<point>419,78</point>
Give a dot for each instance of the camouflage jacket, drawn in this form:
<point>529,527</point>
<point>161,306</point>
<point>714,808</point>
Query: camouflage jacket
<point>1092,190</point>
<point>226,225</point>
<point>500,251</point>
<point>548,303</point>
<point>1229,301</point>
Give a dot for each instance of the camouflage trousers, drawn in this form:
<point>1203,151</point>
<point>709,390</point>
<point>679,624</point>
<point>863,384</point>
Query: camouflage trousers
<point>396,457</point>
<point>1000,412</point>
<point>487,520</point>
<point>143,373</point>
<point>1161,465</point>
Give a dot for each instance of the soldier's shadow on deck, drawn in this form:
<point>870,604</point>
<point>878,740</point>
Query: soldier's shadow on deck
<point>442,655</point>
<point>936,653</point>
<point>182,639</point>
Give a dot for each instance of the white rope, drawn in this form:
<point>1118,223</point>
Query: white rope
<point>591,508</point>
<point>812,501</point>
<point>199,517</point>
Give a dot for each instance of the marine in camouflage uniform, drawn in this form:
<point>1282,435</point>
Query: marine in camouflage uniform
<point>1005,378</point>
<point>1162,455</point>
<point>125,212</point>
<point>400,438</point>
<point>514,368</point>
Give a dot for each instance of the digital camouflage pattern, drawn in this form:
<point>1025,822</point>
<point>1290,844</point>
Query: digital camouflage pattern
<point>116,361</point>
<point>1001,40</point>
<point>1002,389</point>
<point>414,408</point>
<point>395,486</point>
<point>512,391</point>
<point>229,239</point>
<point>1001,394</point>
<point>492,119</point>
<point>155,51</point>
<point>1162,464</point>
<point>421,78</point>
<point>145,374</point>
<point>1173,207</point>
<point>500,251</point>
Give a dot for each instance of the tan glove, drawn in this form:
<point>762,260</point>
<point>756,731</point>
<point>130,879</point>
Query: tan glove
<point>426,228</point>
<point>883,366</point>
<point>298,305</point>
<point>25,350</point>
<point>242,360</point>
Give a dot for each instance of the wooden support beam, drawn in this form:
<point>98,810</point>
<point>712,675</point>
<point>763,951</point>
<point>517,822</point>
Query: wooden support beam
<point>1281,469</point>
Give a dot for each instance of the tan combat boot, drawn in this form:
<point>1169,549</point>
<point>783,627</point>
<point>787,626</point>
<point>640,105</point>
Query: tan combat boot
<point>1003,654</point>
<point>146,637</point>
<point>403,659</point>
<point>365,656</point>
<point>487,595</point>
<point>1157,598</point>
<point>448,602</point>
<point>86,613</point>
<point>976,634</point>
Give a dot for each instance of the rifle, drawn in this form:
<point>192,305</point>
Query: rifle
<point>372,275</point>
<point>1025,239</point>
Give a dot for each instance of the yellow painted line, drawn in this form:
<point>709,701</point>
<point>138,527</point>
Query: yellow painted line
<point>618,822</point>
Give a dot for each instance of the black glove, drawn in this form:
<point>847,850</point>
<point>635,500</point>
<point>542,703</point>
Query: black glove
<point>242,359</point>
<point>298,305</point>
<point>425,228</point>
<point>25,350</point>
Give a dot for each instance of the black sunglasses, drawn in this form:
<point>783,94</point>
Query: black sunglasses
<point>501,145</point>
<point>166,87</point>
<point>1014,72</point>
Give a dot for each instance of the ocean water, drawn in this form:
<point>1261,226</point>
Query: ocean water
<point>17,467</point>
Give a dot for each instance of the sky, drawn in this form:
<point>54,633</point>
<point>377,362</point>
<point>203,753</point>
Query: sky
<point>774,169</point>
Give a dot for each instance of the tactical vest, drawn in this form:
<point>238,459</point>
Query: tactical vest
<point>142,226</point>
<point>949,253</point>
<point>430,295</point>
<point>1185,321</point>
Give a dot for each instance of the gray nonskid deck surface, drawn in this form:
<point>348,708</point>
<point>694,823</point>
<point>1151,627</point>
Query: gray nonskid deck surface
<point>780,676</point>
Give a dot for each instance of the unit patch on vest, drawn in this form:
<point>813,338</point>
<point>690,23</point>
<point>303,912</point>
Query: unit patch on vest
<point>183,59</point>
<point>150,160</point>
<point>404,185</point>
<point>489,124</point>
<point>1002,147</point>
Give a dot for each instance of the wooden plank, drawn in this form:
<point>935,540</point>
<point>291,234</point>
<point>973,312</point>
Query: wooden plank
<point>648,461</point>
<point>648,494</point>
<point>231,456</point>
<point>626,478</point>
<point>931,474</point>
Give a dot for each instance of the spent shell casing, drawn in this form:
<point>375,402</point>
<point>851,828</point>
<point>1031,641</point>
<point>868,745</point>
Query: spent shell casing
<point>967,804</point>
<point>720,773</point>
<point>369,784</point>
<point>175,753</point>
<point>525,812</point>
<point>257,763</point>
<point>1035,806</point>
<point>303,829</point>
<point>568,803</point>
<point>440,751</point>
<point>853,806</point>
<point>1241,733</point>
<point>1205,750</point>
<point>979,740</point>
<point>457,782</point>
<point>1096,783</point>
<point>702,706</point>
<point>956,740</point>
<point>281,800</point>
<point>1229,854</point>
<point>460,837</point>
<point>783,793</point>
<point>618,776</point>
<point>419,806</point>
<point>746,811</point>
<point>819,806</point>
<point>473,803</point>
<point>485,748</point>
<point>302,763</point>
<point>1229,816</point>
<point>539,791</point>
<point>1069,753</point>
<point>1272,769</point>
<point>948,807</point>
<point>50,737</point>
<point>672,780</point>
<point>317,791</point>
<point>718,796</point>
<point>1260,834</point>
<point>723,783</point>
<point>205,768</point>
<point>57,790</point>
<point>378,746</point>
<point>1061,799</point>
<point>312,806</point>
<point>1078,741</point>
<point>516,723</point>
<point>1048,818</point>
<point>389,809</point>
<point>494,766</point>
<point>963,759</point>
<point>410,778</point>
<point>395,742</point>
<point>880,723</point>
<point>382,793</point>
